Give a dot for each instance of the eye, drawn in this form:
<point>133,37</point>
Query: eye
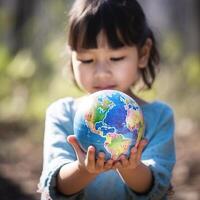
<point>115,59</point>
<point>86,61</point>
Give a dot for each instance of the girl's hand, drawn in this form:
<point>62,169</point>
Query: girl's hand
<point>87,160</point>
<point>134,159</point>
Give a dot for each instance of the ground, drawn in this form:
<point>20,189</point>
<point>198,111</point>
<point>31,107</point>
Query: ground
<point>21,161</point>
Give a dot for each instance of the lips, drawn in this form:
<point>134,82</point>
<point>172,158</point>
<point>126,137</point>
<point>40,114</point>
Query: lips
<point>104,87</point>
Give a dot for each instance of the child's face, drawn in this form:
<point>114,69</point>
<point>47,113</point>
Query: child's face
<point>106,68</point>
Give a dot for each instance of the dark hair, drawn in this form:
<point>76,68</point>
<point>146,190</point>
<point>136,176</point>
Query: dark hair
<point>123,22</point>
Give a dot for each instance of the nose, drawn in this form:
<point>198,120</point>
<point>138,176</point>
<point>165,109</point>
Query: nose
<point>102,70</point>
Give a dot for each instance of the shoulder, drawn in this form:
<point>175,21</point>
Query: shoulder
<point>60,106</point>
<point>157,108</point>
<point>158,115</point>
<point>59,115</point>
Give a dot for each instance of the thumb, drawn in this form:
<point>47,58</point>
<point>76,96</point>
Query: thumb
<point>73,141</point>
<point>141,147</point>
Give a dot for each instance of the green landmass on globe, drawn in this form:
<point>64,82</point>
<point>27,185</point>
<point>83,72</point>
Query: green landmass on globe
<point>116,144</point>
<point>112,122</point>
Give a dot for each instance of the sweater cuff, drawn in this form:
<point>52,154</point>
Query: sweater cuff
<point>49,189</point>
<point>157,191</point>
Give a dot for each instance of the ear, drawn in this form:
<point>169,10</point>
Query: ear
<point>144,53</point>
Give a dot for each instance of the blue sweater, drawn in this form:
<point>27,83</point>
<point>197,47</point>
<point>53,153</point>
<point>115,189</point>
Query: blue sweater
<point>158,155</point>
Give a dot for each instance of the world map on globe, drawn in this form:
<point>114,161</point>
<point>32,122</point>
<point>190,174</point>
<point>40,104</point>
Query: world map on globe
<point>111,121</point>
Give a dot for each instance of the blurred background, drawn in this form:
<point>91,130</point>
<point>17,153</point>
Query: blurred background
<point>34,73</point>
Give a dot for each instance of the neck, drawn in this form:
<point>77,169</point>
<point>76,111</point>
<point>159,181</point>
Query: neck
<point>139,101</point>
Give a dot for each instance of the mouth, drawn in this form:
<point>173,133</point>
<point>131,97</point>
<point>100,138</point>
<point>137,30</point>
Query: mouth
<point>106,87</point>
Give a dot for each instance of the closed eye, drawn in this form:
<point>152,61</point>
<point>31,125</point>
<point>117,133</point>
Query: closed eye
<point>86,61</point>
<point>117,58</point>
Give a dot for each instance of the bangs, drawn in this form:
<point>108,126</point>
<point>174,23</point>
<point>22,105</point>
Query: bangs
<point>115,25</point>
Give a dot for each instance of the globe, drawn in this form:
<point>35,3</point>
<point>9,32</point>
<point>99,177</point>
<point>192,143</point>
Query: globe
<point>109,120</point>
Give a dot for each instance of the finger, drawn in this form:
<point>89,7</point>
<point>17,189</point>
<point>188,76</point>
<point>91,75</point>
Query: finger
<point>90,159</point>
<point>141,146</point>
<point>143,143</point>
<point>108,165</point>
<point>117,165</point>
<point>100,161</point>
<point>124,161</point>
<point>73,141</point>
<point>133,156</point>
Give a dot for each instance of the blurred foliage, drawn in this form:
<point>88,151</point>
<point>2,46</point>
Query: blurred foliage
<point>172,47</point>
<point>26,90</point>
<point>179,84</point>
<point>37,73</point>
<point>191,67</point>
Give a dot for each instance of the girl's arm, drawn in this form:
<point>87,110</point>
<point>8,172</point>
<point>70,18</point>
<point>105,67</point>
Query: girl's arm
<point>138,179</point>
<point>133,172</point>
<point>75,176</point>
<point>72,179</point>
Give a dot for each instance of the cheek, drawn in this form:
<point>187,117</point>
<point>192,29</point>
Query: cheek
<point>76,72</point>
<point>82,75</point>
<point>129,71</point>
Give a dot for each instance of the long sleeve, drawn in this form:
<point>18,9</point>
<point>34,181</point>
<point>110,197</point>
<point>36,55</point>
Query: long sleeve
<point>57,152</point>
<point>159,154</point>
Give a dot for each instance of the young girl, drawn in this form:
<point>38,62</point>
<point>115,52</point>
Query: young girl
<point>112,47</point>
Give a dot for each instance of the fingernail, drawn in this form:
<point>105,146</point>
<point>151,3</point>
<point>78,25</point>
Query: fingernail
<point>145,142</point>
<point>134,150</point>
<point>91,149</point>
<point>101,155</point>
<point>122,157</point>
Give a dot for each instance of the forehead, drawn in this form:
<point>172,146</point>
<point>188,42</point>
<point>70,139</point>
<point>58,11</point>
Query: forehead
<point>102,40</point>
<point>106,51</point>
